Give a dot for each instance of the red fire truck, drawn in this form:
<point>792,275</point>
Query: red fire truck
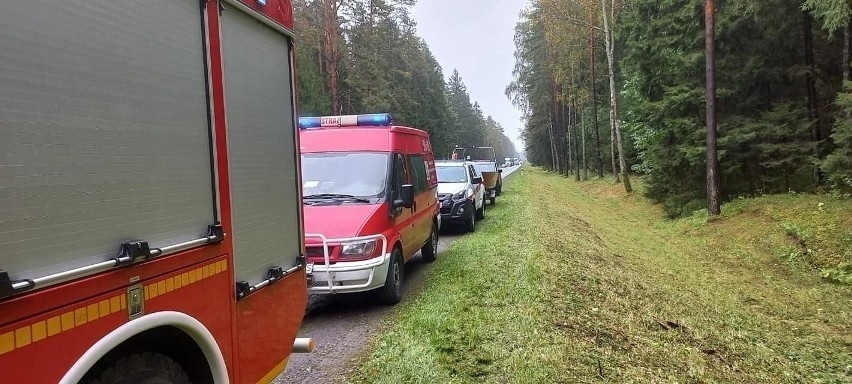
<point>150,202</point>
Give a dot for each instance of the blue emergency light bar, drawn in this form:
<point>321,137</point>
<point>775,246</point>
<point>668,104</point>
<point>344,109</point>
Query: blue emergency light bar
<point>375,119</point>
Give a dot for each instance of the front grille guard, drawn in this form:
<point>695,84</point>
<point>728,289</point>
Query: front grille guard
<point>326,244</point>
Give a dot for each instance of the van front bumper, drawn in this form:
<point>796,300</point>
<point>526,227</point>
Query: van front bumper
<point>348,277</point>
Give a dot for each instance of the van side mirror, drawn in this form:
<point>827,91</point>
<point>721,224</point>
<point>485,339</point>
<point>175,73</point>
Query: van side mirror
<point>405,198</point>
<point>477,180</point>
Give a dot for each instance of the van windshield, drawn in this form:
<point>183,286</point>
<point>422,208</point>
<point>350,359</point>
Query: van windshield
<point>344,174</point>
<point>451,174</point>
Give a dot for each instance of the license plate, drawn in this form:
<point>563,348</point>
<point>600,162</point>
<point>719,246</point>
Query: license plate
<point>309,268</point>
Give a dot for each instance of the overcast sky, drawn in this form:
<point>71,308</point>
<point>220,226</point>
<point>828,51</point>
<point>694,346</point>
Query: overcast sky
<point>477,38</point>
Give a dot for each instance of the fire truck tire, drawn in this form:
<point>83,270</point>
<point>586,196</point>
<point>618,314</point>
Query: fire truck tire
<point>146,367</point>
<point>391,293</point>
<point>429,252</point>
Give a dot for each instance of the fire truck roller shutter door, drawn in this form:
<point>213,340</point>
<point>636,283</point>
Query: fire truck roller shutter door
<point>101,144</point>
<point>261,147</point>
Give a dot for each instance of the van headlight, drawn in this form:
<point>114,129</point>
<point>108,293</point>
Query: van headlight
<point>359,248</point>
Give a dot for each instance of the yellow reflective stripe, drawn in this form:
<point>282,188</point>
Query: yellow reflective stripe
<point>69,320</point>
<point>267,378</point>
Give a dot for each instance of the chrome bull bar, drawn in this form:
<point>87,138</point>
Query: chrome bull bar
<point>326,243</point>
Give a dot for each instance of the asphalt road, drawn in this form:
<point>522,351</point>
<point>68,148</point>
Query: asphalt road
<point>344,325</point>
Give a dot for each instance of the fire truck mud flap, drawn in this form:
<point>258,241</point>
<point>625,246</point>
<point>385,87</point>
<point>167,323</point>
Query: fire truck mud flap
<point>182,321</point>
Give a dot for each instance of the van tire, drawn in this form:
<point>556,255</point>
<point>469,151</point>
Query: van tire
<point>391,292</point>
<point>480,213</point>
<point>146,367</point>
<point>429,252</point>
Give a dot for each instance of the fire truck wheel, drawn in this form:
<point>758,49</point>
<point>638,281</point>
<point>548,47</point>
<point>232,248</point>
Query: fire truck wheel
<point>146,367</point>
<point>391,293</point>
<point>429,252</point>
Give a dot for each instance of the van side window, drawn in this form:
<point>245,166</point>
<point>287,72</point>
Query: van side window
<point>418,173</point>
<point>399,174</point>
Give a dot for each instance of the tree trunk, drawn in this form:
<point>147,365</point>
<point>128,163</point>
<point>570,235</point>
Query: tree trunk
<point>847,114</point>
<point>576,138</point>
<point>613,155</point>
<point>331,32</point>
<point>553,158</point>
<point>813,101</point>
<point>583,143</point>
<point>558,141</point>
<point>594,92</point>
<point>566,125</point>
<point>613,97</point>
<point>846,52</point>
<point>713,194</point>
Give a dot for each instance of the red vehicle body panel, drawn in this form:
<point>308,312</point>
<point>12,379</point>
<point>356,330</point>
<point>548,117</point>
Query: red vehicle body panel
<point>44,332</point>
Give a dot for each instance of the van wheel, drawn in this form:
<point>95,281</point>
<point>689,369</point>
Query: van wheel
<point>146,367</point>
<point>391,293</point>
<point>429,252</point>
<point>480,213</point>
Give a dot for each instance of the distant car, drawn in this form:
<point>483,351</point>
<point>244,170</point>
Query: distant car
<point>461,193</point>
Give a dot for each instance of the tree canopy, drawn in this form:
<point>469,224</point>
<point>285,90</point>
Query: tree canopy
<point>780,65</point>
<point>359,56</point>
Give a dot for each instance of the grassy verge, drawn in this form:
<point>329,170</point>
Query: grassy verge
<point>570,282</point>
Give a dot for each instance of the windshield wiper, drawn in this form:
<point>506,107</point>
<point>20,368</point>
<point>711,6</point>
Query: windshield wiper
<point>336,196</point>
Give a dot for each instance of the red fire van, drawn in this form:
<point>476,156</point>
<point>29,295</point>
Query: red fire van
<point>370,195</point>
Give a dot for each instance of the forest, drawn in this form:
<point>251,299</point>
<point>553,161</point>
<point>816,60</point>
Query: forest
<point>360,56</point>
<point>617,87</point>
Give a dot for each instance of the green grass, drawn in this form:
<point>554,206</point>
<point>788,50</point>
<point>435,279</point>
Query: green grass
<point>572,283</point>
